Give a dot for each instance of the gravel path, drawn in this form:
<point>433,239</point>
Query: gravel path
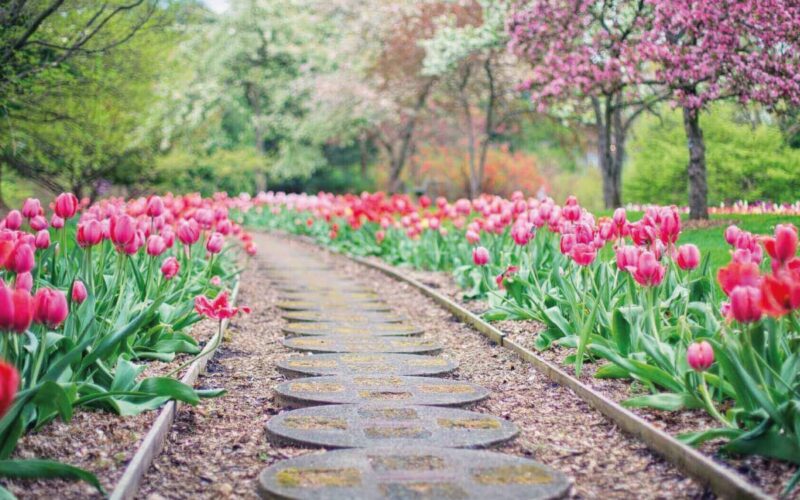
<point>218,448</point>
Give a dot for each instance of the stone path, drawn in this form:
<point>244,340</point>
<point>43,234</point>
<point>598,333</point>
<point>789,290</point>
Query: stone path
<point>405,443</point>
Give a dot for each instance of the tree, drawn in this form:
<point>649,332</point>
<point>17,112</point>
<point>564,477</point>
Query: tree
<point>721,49</point>
<point>584,61</point>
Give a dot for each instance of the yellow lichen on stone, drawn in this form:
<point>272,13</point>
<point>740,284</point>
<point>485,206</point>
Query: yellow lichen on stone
<point>512,474</point>
<point>295,477</point>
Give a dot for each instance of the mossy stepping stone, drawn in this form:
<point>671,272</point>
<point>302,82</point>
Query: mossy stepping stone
<point>331,305</point>
<point>365,364</point>
<point>360,426</point>
<point>343,316</point>
<point>352,330</point>
<point>346,297</point>
<point>376,389</point>
<point>296,286</point>
<point>411,473</point>
<point>352,343</point>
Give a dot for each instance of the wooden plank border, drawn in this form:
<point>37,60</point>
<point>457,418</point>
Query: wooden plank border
<point>156,437</point>
<point>721,480</point>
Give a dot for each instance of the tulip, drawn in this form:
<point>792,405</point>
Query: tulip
<point>738,274</point>
<point>38,223</point>
<point>480,256</point>
<point>473,237</point>
<point>648,272</point>
<point>133,246</point>
<point>620,217</point>
<point>24,281</point>
<point>156,245</point>
<point>188,232</point>
<point>79,293</point>
<point>66,205</point>
<point>23,310</point>
<point>155,206</point>
<point>50,307</point>
<point>567,242</point>
<point>123,230</point>
<point>6,307</point>
<point>22,259</point>
<point>732,234</point>
<point>215,243</point>
<point>9,384</point>
<point>43,239</point>
<point>380,236</point>
<point>170,267</point>
<point>31,208</point>
<point>13,220</point>
<point>56,221</point>
<point>670,227</point>
<point>745,304</point>
<point>688,257</point>
<point>583,254</point>
<point>215,281</point>
<point>784,245</point>
<point>89,233</point>
<point>627,257</point>
<point>700,356</point>
<point>521,233</point>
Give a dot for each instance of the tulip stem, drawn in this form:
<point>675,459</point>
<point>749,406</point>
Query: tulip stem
<point>709,403</point>
<point>204,352</point>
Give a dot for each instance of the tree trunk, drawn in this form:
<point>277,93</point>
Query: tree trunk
<point>363,154</point>
<point>398,161</point>
<point>698,185</point>
<point>609,150</point>
<point>3,205</point>
<point>490,125</point>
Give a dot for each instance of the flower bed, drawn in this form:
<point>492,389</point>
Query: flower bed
<point>624,292</point>
<point>90,296</point>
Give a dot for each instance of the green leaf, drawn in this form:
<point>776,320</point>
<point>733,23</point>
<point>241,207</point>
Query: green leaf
<point>611,370</point>
<point>621,331</point>
<point>174,389</point>
<point>51,398</point>
<point>211,393</point>
<point>667,401</point>
<point>47,469</point>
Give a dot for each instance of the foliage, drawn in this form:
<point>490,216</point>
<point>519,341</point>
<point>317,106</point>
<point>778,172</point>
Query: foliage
<point>746,160</point>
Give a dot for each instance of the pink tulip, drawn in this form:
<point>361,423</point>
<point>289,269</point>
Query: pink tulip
<point>745,304</point>
<point>521,233</point>
<point>156,245</point>
<point>23,310</point>
<point>43,239</point>
<point>123,230</point>
<point>13,220</point>
<point>31,208</point>
<point>38,223</point>
<point>567,242</point>
<point>66,205</point>
<point>583,254</point>
<point>700,356</point>
<point>79,293</point>
<point>473,237</point>
<point>627,257</point>
<point>732,234</point>
<point>170,267</point>
<point>24,281</point>
<point>155,206</point>
<point>50,307</point>
<point>188,232</point>
<point>480,256</point>
<point>89,233</point>
<point>380,236</point>
<point>6,307</point>
<point>783,246</point>
<point>56,221</point>
<point>688,257</point>
<point>620,217</point>
<point>648,272</point>
<point>22,259</point>
<point>215,243</point>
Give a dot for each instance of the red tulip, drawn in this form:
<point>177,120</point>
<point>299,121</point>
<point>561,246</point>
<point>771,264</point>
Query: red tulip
<point>24,281</point>
<point>480,256</point>
<point>31,208</point>
<point>6,307</point>
<point>23,310</point>
<point>648,272</point>
<point>170,267</point>
<point>583,254</point>
<point>9,384</point>
<point>784,245</point>
<point>43,239</point>
<point>66,205</point>
<point>738,274</point>
<point>22,259</point>
<point>155,206</point>
<point>156,245</point>
<point>50,307</point>
<point>780,293</point>
<point>700,356</point>
<point>688,257</point>
<point>89,233</point>
<point>215,243</point>
<point>745,304</point>
<point>218,309</point>
<point>13,220</point>
<point>79,293</point>
<point>6,249</point>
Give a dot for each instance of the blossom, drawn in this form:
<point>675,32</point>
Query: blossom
<point>9,384</point>
<point>50,307</point>
<point>480,256</point>
<point>13,220</point>
<point>89,233</point>
<point>700,356</point>
<point>583,254</point>
<point>22,307</point>
<point>43,239</point>
<point>155,245</point>
<point>648,271</point>
<point>188,232</point>
<point>745,304</point>
<point>31,207</point>
<point>738,274</point>
<point>170,267</point>
<point>505,274</point>
<point>66,205</point>
<point>79,293</point>
<point>22,259</point>
<point>218,309</point>
<point>688,257</point>
<point>155,206</point>
<point>215,243</point>
<point>24,281</point>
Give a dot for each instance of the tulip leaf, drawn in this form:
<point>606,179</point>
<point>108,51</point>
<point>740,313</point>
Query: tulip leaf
<point>47,469</point>
<point>667,401</point>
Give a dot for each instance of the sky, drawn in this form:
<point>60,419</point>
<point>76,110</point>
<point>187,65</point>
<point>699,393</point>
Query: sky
<point>217,5</point>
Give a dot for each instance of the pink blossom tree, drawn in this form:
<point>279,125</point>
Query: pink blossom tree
<point>706,50</point>
<point>585,66</point>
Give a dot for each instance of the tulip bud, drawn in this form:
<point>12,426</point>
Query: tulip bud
<point>24,281</point>
<point>170,267</point>
<point>688,257</point>
<point>700,356</point>
<point>50,307</point>
<point>31,208</point>
<point>23,310</point>
<point>745,304</point>
<point>732,234</point>
<point>66,205</point>
<point>13,220</point>
<point>9,384</point>
<point>155,245</point>
<point>480,256</point>
<point>43,239</point>
<point>215,243</point>
<point>79,293</point>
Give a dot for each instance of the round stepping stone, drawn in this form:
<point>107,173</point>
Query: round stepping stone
<point>351,343</point>
<point>361,426</point>
<point>343,316</point>
<point>352,330</point>
<point>295,286</point>
<point>365,364</point>
<point>330,305</point>
<point>367,389</point>
<point>411,473</point>
<point>354,297</point>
